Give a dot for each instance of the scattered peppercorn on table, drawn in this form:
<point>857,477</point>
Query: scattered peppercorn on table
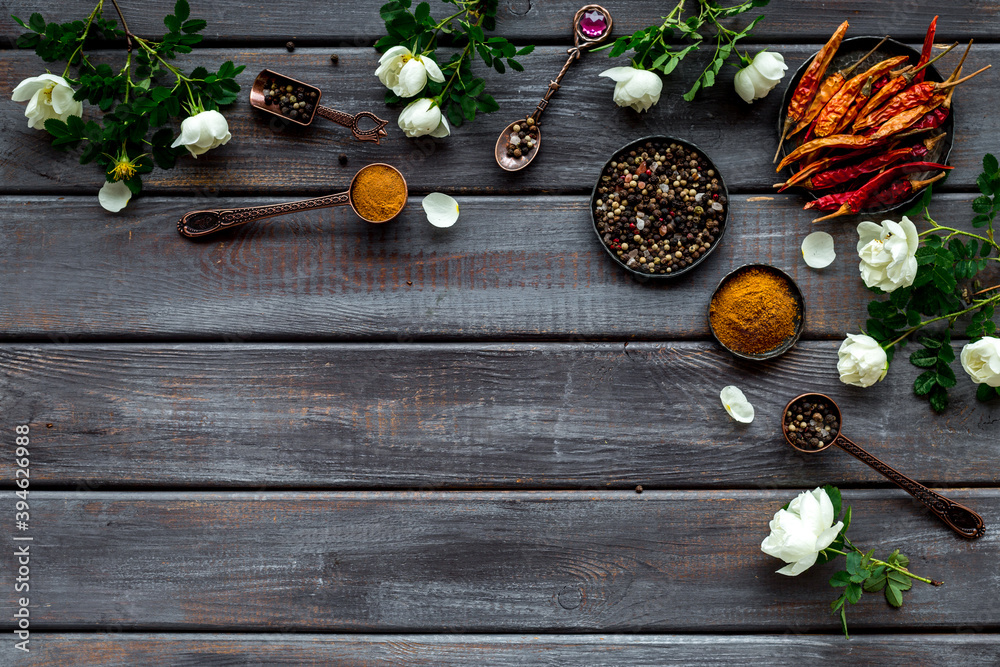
<point>326,441</point>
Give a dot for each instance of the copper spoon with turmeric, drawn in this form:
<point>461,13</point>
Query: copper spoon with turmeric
<point>377,194</point>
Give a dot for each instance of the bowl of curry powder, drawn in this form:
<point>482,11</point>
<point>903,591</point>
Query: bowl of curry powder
<point>757,312</point>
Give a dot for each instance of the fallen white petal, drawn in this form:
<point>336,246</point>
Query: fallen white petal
<point>817,250</point>
<point>441,210</point>
<point>114,196</point>
<point>736,404</point>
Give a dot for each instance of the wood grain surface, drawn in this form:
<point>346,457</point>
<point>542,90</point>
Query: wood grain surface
<point>516,268</point>
<point>582,128</point>
<point>538,20</point>
<point>605,650</point>
<point>479,562</point>
<point>433,416</point>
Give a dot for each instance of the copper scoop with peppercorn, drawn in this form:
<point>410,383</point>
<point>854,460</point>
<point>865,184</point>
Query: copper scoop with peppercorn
<point>812,423</point>
<point>519,142</point>
<point>298,103</point>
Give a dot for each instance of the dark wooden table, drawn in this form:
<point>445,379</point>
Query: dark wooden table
<point>318,440</point>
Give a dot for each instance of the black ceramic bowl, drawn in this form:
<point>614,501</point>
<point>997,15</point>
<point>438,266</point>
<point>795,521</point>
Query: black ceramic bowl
<point>850,50</point>
<point>643,275</point>
<point>786,344</point>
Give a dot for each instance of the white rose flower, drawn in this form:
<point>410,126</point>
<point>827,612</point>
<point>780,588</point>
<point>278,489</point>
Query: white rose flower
<point>758,78</point>
<point>887,253</point>
<point>981,360</point>
<point>799,533</point>
<point>636,88</point>
<point>114,196</point>
<point>406,74</point>
<point>862,361</point>
<point>48,96</point>
<point>203,132</point>
<point>422,117</point>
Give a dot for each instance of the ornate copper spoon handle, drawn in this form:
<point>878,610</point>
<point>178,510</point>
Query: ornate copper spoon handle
<point>574,55</point>
<point>202,223</point>
<point>958,517</point>
<point>347,120</point>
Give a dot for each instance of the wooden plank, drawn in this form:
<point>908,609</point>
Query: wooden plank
<point>477,562</point>
<point>527,268</point>
<point>202,650</point>
<point>354,23</point>
<point>582,129</point>
<point>419,416</point>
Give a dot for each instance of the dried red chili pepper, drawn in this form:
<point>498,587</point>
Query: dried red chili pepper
<point>895,85</point>
<point>832,114</point>
<point>925,53</point>
<point>834,141</point>
<point>900,191</point>
<point>828,89</point>
<point>904,120</point>
<point>914,96</point>
<point>818,166</point>
<point>931,121</point>
<point>833,177</point>
<point>809,83</point>
<point>855,200</point>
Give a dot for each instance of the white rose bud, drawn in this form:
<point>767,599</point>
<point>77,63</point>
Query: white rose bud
<point>888,253</point>
<point>422,117</point>
<point>981,360</point>
<point>636,88</point>
<point>758,78</point>
<point>862,361</point>
<point>48,96</point>
<point>203,132</point>
<point>799,533</point>
<point>406,74</point>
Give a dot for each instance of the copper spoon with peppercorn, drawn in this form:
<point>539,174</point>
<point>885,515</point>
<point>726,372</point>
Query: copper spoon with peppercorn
<point>516,148</point>
<point>826,432</point>
<point>278,94</point>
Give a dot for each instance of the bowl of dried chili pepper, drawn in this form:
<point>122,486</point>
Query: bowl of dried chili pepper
<point>866,124</point>
<point>757,312</point>
<point>660,207</point>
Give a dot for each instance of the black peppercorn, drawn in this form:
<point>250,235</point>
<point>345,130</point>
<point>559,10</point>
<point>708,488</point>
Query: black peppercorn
<point>290,46</point>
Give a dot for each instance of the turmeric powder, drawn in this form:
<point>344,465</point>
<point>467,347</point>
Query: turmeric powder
<point>754,312</point>
<point>378,193</point>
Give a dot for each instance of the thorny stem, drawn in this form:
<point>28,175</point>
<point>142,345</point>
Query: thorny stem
<point>899,569</point>
<point>951,316</point>
<point>83,38</point>
<point>128,33</point>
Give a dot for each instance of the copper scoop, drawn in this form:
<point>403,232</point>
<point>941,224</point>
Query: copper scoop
<point>591,26</point>
<point>202,223</point>
<point>958,517</point>
<point>260,95</point>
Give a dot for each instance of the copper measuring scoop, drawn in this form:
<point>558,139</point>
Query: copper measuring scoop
<point>202,223</point>
<point>313,95</point>
<point>591,26</point>
<point>958,517</point>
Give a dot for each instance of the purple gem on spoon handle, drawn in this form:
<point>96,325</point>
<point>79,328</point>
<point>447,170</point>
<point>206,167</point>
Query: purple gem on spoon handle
<point>593,24</point>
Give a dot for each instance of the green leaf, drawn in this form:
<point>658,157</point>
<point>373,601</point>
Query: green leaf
<point>840,579</point>
<point>853,592</point>
<point>982,204</point>
<point>172,22</point>
<point>498,65</point>
<point>847,521</point>
<point>899,559</point>
<point>36,23</point>
<point>690,95</point>
<point>990,165</point>
<point>182,10</point>
<point>924,383</point>
<point>899,580</point>
<point>487,104</point>
<point>525,50</point>
<point>875,584</point>
<point>924,358</point>
<point>194,25</point>
<point>939,398</point>
<point>853,562</point>
<point>893,596</point>
<point>986,393</point>
<point>981,221</point>
<point>28,40</point>
<point>514,65</point>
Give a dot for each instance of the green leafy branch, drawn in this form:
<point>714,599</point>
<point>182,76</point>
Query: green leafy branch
<point>945,289</point>
<point>135,98</point>
<point>654,49</point>
<point>864,573</point>
<point>462,95</point>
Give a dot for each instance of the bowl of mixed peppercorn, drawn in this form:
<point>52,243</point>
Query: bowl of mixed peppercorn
<point>660,207</point>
